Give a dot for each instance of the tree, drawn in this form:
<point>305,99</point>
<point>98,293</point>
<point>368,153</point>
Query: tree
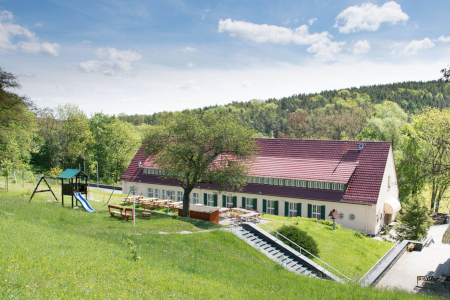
<point>17,122</point>
<point>122,143</point>
<point>74,134</point>
<point>201,148</point>
<point>414,222</point>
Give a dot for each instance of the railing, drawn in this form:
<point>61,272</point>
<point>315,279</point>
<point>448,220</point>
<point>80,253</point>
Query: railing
<point>304,250</point>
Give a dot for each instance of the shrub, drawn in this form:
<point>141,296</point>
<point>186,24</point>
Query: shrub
<point>299,237</point>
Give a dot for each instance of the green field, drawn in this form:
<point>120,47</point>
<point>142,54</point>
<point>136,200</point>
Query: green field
<point>50,252</point>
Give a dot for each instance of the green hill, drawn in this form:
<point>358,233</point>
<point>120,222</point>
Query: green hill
<point>51,252</point>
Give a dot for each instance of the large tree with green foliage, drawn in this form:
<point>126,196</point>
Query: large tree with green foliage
<point>201,148</point>
<point>122,143</point>
<point>414,222</point>
<point>17,122</point>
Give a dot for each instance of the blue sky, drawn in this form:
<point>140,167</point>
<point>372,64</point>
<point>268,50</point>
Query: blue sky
<point>143,57</point>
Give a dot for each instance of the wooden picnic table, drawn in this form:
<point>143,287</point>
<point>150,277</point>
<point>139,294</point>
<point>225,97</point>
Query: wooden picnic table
<point>159,202</point>
<point>146,200</point>
<point>249,215</point>
<point>130,199</point>
<point>243,210</point>
<point>173,204</point>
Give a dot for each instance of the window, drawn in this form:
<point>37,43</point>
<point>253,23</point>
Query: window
<point>320,185</point>
<point>316,212</point>
<point>194,198</point>
<point>228,201</point>
<point>275,181</point>
<point>271,181</point>
<point>157,193</point>
<point>150,192</point>
<point>340,187</point>
<point>179,196</point>
<point>248,203</point>
<point>327,185</point>
<point>287,182</point>
<point>334,186</point>
<point>292,209</point>
<point>209,199</point>
<point>171,195</point>
<point>164,194</point>
<point>310,184</point>
<point>352,217</point>
<point>266,180</point>
<point>297,183</point>
<point>270,207</point>
<point>280,181</point>
<point>292,182</point>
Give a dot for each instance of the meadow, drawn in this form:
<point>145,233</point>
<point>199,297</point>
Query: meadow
<point>54,252</point>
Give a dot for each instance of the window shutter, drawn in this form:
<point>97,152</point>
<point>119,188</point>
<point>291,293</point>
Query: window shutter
<point>309,210</point>
<point>243,202</point>
<point>286,209</point>
<point>234,201</point>
<point>224,201</point>
<point>322,212</point>
<point>255,204</point>
<point>205,199</point>
<point>276,208</point>
<point>264,205</point>
<point>299,209</point>
<point>215,200</point>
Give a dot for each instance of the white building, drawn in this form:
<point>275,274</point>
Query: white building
<point>306,178</point>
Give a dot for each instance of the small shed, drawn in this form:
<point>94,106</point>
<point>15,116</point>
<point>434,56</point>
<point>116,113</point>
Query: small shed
<point>206,213</point>
<point>73,181</point>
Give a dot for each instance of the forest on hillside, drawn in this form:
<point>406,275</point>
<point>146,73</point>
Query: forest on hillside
<point>414,116</point>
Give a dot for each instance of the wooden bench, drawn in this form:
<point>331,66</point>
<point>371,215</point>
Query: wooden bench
<point>115,210</point>
<point>146,214</point>
<point>131,214</point>
<point>147,205</point>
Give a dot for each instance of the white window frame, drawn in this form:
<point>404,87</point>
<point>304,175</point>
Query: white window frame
<point>194,198</point>
<point>340,186</point>
<point>287,182</point>
<point>180,196</point>
<point>327,185</point>
<point>270,207</point>
<point>247,201</point>
<point>271,181</point>
<point>228,201</point>
<point>210,199</point>
<point>150,192</point>
<point>334,186</point>
<point>164,194</point>
<point>157,193</point>
<point>292,210</point>
<point>292,182</point>
<point>275,181</point>
<point>266,181</point>
<point>310,184</point>
<point>171,195</point>
<point>315,213</point>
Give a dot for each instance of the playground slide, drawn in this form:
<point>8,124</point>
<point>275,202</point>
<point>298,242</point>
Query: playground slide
<point>83,202</point>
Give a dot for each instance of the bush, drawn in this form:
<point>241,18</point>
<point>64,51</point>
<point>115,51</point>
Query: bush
<point>299,237</point>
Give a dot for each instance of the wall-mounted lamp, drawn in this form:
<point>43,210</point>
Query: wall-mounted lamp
<point>140,165</point>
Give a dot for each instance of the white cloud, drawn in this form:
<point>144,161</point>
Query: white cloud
<point>415,46</point>
<point>190,85</point>
<point>444,39</point>
<point>320,43</point>
<point>112,62</point>
<point>190,65</point>
<point>189,49</point>
<point>311,21</point>
<point>369,17</point>
<point>361,46</point>
<point>10,32</point>
<point>86,42</point>
<point>203,13</point>
<point>39,24</point>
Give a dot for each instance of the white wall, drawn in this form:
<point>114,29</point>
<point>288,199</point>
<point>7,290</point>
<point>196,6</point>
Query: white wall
<point>385,192</point>
<point>365,217</point>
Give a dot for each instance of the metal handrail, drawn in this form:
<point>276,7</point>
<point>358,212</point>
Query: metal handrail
<point>301,248</point>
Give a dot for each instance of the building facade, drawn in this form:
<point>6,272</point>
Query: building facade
<point>298,178</point>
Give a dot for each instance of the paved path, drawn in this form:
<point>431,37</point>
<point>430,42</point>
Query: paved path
<point>403,274</point>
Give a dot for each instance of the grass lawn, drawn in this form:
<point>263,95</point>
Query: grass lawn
<point>346,250</point>
<point>50,252</point>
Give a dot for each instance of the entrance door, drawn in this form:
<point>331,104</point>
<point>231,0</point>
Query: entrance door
<point>387,219</point>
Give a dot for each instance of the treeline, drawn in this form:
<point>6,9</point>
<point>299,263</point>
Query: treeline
<point>351,108</point>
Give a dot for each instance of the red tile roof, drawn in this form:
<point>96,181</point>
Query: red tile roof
<point>311,160</point>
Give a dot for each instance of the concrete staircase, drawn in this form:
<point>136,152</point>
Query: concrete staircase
<point>281,253</point>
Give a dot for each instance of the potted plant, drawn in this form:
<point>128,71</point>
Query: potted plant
<point>411,247</point>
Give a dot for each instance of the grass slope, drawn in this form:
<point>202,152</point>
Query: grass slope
<point>50,252</point>
<point>346,250</point>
